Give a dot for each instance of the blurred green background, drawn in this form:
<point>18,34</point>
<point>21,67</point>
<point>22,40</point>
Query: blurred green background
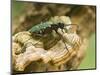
<point>89,61</point>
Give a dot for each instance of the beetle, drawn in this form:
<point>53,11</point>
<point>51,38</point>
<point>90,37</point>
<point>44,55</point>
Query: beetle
<point>47,27</point>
